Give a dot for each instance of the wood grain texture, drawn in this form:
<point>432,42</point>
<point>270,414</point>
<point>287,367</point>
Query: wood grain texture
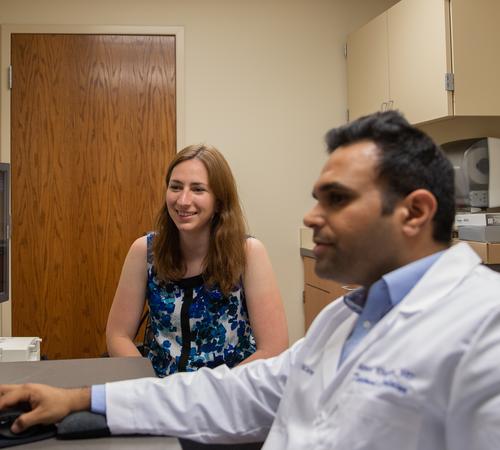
<point>93,130</point>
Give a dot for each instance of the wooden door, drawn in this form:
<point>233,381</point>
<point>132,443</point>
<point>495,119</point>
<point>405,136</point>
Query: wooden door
<point>93,129</point>
<point>367,69</point>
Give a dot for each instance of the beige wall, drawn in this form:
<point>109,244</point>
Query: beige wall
<point>264,80</point>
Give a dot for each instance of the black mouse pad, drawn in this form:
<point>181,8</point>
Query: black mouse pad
<point>83,425</point>
<point>33,434</point>
<point>36,433</point>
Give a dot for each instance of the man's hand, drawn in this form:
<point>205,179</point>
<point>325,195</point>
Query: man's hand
<point>48,404</point>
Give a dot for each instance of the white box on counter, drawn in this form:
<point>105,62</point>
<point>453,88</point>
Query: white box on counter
<point>477,219</point>
<point>19,349</point>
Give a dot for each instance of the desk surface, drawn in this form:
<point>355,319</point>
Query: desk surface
<point>84,372</point>
<point>109,443</point>
<point>75,372</point>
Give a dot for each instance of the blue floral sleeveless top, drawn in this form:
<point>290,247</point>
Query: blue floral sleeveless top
<point>193,326</point>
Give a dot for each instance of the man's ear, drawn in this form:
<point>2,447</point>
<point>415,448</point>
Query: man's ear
<point>418,208</point>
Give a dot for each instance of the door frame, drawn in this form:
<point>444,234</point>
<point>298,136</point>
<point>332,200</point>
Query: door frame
<point>6,32</point>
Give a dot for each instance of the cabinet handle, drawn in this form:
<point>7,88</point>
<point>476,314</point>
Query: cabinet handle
<point>349,288</point>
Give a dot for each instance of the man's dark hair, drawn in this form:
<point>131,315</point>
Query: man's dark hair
<point>409,160</point>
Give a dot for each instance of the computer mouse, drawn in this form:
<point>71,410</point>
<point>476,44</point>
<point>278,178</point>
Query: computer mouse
<point>7,418</point>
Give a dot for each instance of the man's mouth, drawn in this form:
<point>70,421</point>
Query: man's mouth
<point>320,241</point>
<point>320,247</point>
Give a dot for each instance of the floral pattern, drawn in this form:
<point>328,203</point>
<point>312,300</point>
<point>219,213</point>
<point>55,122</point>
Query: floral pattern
<point>219,331</point>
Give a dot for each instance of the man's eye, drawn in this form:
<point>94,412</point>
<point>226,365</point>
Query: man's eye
<point>336,199</point>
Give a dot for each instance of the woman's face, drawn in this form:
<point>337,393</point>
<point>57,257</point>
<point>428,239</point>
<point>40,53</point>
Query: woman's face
<point>190,201</point>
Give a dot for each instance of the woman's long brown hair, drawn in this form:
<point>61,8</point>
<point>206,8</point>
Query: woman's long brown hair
<point>225,261</point>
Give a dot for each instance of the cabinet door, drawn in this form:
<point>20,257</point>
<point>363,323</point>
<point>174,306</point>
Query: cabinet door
<point>318,292</point>
<point>312,279</point>
<point>419,57</point>
<point>476,37</point>
<point>315,300</point>
<point>367,68</point>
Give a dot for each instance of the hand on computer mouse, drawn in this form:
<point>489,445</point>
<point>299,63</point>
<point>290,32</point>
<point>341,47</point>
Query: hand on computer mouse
<point>7,418</point>
<point>34,433</point>
<point>48,404</point>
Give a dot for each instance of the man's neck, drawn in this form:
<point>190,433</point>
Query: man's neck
<point>419,251</point>
<point>413,253</point>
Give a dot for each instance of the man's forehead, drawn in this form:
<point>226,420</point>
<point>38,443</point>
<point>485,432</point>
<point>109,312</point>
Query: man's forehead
<point>357,159</point>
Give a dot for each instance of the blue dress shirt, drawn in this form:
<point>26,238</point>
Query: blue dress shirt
<point>98,399</point>
<point>381,297</point>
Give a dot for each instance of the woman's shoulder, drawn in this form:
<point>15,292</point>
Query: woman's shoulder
<point>253,242</point>
<point>139,246</point>
<point>254,247</point>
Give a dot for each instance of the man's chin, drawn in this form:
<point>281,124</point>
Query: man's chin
<point>330,271</point>
<point>322,270</point>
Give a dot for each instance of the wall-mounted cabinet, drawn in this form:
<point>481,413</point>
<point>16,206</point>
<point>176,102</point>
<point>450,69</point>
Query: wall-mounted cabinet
<point>430,59</point>
<point>368,68</point>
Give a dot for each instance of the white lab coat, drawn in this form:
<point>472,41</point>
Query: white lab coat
<point>426,377</point>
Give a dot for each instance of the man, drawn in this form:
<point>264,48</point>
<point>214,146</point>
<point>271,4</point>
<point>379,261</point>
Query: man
<point>409,361</point>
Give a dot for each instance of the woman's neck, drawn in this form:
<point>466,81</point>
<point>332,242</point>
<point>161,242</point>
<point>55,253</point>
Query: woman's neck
<point>194,249</point>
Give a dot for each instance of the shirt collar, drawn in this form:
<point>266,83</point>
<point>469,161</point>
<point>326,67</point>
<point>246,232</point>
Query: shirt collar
<point>399,282</point>
<point>402,280</point>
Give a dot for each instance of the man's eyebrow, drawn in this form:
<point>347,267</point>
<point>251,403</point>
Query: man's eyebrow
<point>333,186</point>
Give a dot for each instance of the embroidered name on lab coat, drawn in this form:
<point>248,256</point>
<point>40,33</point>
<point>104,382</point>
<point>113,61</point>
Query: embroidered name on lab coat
<point>382,377</point>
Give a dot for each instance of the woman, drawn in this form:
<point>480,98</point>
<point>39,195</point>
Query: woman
<point>210,288</point>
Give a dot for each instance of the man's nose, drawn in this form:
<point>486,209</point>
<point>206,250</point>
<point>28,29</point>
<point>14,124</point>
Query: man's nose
<point>313,218</point>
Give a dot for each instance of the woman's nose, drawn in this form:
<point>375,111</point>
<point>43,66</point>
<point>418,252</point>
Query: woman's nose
<point>184,197</point>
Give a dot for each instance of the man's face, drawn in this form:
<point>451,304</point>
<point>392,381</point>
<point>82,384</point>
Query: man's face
<point>355,243</point>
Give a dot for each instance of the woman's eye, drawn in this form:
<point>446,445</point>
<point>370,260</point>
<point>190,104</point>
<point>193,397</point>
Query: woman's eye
<point>198,189</point>
<point>175,187</point>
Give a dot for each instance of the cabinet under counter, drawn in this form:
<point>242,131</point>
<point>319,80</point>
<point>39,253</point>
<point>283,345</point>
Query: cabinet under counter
<point>318,292</point>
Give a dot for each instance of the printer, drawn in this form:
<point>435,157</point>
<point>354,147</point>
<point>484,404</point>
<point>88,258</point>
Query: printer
<point>476,163</point>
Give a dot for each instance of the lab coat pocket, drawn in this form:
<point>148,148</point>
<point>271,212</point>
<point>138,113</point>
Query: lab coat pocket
<point>372,423</point>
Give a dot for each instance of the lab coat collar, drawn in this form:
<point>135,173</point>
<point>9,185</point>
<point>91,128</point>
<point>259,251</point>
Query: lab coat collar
<point>443,276</point>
